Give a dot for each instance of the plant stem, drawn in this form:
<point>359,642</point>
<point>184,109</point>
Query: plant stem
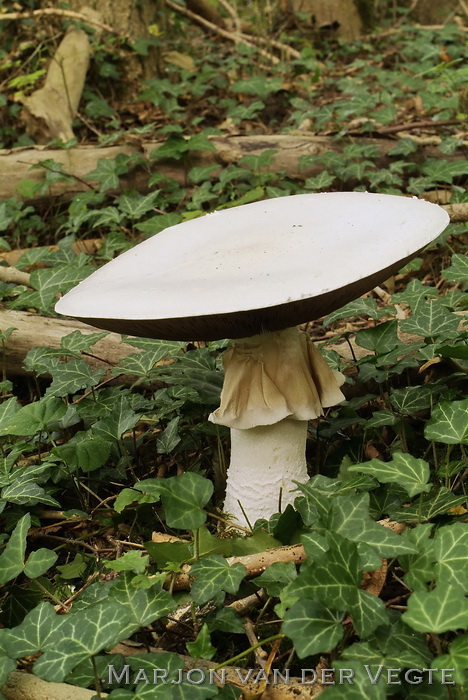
<point>229,662</point>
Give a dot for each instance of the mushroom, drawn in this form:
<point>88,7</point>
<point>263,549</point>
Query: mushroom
<point>253,274</point>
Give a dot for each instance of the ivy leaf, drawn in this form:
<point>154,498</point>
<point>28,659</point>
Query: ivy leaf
<point>184,498</point>
<point>37,632</point>
<point>414,293</point>
<point>139,607</point>
<point>82,635</point>
<point>358,307</point>
<point>420,566</point>
<point>381,339</point>
<point>8,409</point>
<point>72,376</point>
<point>26,492</point>
<point>450,550</point>
<point>320,182</point>
<point>440,610</point>
<point>411,399</point>
<point>410,473</point>
<point>430,505</point>
<point>313,628</point>
<point>275,577</point>
<point>130,561</point>
<point>170,437</point>
<point>39,562</point>
<point>37,416</point>
<point>350,518</point>
<point>76,342</point>
<point>212,575</point>
<point>136,205</point>
<point>60,279</point>
<point>202,647</point>
<point>431,320</point>
<point>458,270</point>
<point>84,451</point>
<point>12,558</point>
<point>457,658</point>
<point>121,419</point>
<point>448,423</point>
<point>106,173</point>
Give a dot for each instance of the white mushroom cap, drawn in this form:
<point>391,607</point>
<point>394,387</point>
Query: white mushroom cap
<point>255,268</point>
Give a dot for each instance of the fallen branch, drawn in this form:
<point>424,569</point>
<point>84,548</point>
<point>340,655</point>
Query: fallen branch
<point>26,686</point>
<point>16,164</point>
<point>458,212</point>
<point>66,14</point>
<point>11,275</point>
<point>33,330</point>
<point>255,564</point>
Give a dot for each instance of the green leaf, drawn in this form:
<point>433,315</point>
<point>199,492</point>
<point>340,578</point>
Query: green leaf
<point>106,173</point>
<point>431,320</point>
<point>184,498</point>
<point>136,205</point>
<point>381,339</point>
<point>436,502</point>
<point>130,561</point>
<point>411,399</point>
<point>414,294</point>
<point>410,473</point>
<point>440,610</point>
<point>202,648</point>
<point>448,423</point>
<point>74,569</point>
<point>169,438</point>
<point>358,307</point>
<point>420,566</point>
<point>12,558</point>
<point>35,417</point>
<point>84,451</point>
<point>212,575</point>
<point>322,181</point>
<point>457,658</point>
<point>350,518</point>
<point>39,562</point>
<point>60,279</point>
<point>441,170</point>
<point>139,607</point>
<point>82,635</point>
<point>458,270</point>
<point>121,419</point>
<point>76,342</point>
<point>8,409</point>
<point>313,628</point>
<point>450,550</point>
<point>275,577</point>
<point>37,632</point>
<point>72,376</point>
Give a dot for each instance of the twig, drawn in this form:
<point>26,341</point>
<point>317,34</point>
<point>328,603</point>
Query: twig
<point>11,275</point>
<point>236,39</point>
<point>393,128</point>
<point>68,14</point>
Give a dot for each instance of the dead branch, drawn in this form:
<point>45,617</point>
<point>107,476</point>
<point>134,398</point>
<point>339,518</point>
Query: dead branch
<point>66,14</point>
<point>458,212</point>
<point>255,564</point>
<point>11,275</point>
<point>20,686</point>
<point>15,164</point>
<point>89,246</point>
<point>33,330</point>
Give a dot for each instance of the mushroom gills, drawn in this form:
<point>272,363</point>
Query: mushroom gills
<point>274,383</point>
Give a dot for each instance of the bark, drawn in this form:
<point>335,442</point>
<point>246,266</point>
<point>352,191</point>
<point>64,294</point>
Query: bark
<point>340,18</point>
<point>430,12</point>
<point>33,331</point>
<point>15,163</point>
<point>131,19</point>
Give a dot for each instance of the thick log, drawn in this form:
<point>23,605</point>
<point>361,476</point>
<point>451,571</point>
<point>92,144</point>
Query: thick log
<point>33,330</point>
<point>16,163</point>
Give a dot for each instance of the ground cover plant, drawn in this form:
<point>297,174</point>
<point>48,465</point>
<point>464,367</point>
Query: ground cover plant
<point>114,553</point>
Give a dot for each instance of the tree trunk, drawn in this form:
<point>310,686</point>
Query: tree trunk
<point>432,12</point>
<point>339,18</point>
<point>132,19</point>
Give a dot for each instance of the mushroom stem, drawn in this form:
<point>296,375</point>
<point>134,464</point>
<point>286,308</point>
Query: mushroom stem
<point>264,463</point>
<point>273,384</point>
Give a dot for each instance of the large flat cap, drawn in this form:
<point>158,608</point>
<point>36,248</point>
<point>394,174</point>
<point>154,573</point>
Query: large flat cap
<point>255,268</point>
